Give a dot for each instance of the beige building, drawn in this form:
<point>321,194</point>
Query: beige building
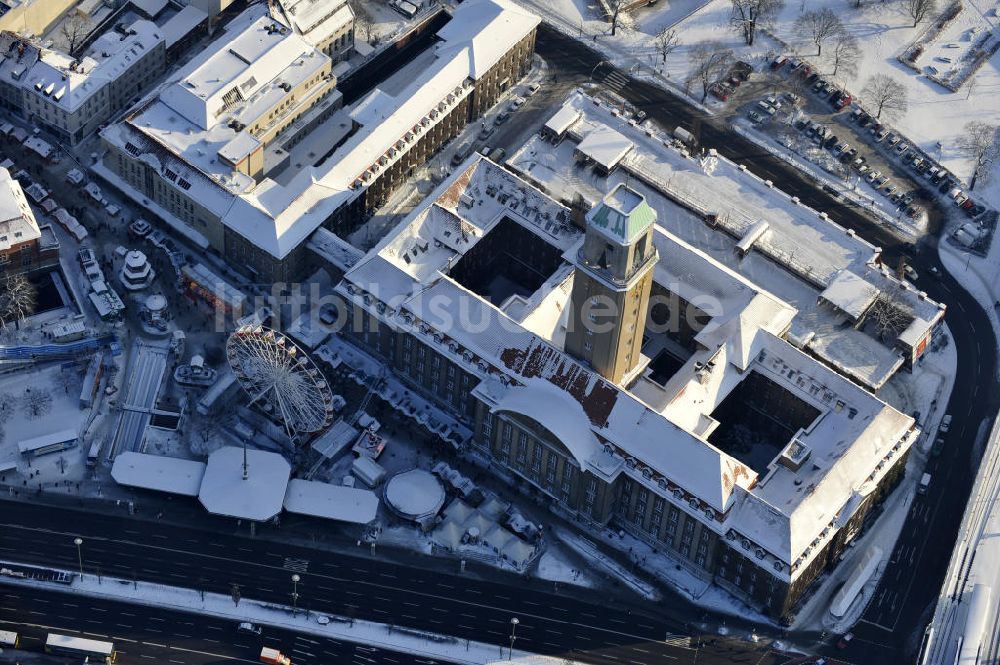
<point>229,158</point>
<point>32,17</point>
<point>73,97</point>
<point>326,24</point>
<point>705,458</point>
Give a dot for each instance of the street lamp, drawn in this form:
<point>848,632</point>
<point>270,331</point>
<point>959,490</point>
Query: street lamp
<point>513,629</point>
<point>602,62</point>
<point>79,553</point>
<point>295,593</point>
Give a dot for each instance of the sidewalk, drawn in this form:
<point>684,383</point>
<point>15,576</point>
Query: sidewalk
<point>368,633</point>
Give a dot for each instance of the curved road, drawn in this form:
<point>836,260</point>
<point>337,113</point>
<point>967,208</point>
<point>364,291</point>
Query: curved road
<point>889,631</point>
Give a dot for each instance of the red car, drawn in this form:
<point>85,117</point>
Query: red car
<point>845,640</point>
<point>844,101</point>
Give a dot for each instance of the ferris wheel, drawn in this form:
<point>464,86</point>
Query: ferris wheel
<point>280,379</point>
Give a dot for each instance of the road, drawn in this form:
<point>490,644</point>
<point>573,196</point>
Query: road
<point>155,635</point>
<point>583,625</point>
<point>892,625</point>
<point>146,369</point>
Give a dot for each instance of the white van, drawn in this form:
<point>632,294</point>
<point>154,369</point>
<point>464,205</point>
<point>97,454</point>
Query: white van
<point>925,482</point>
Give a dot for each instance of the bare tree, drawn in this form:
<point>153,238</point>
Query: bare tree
<point>748,15</point>
<point>919,9</point>
<point>820,25</point>
<point>17,299</point>
<point>845,54</point>
<point>75,30</point>
<point>889,316</point>
<point>978,144</point>
<point>7,404</point>
<point>363,21</point>
<point>36,402</point>
<point>667,42</point>
<point>709,62</point>
<point>886,95</point>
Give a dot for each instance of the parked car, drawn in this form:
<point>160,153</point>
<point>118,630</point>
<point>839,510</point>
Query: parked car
<point>880,182</point>
<point>532,89</point>
<point>937,447</point>
<point>864,120</point>
<point>485,133</point>
<point>830,141</point>
<point>901,148</point>
<point>844,101</point>
<point>779,62</point>
<point>517,103</point>
<point>755,117</point>
<point>845,640</point>
<point>856,114</point>
<point>880,135</point>
<point>909,273</point>
<point>873,176</point>
<point>501,118</point>
<point>892,139</point>
<point>945,424</point>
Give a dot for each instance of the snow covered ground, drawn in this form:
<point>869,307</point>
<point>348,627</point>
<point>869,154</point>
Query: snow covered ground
<point>419,643</point>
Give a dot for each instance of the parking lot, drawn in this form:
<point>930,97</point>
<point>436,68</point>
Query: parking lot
<point>809,115</point>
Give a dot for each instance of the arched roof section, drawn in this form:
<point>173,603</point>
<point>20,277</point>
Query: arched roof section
<point>556,411</point>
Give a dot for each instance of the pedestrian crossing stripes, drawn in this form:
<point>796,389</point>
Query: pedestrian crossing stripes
<point>297,565</point>
<point>615,81</point>
<point>682,641</point>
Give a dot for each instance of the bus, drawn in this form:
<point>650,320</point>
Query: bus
<point>8,639</point>
<point>65,645</point>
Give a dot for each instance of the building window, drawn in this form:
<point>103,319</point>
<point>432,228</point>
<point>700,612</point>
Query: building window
<point>487,425</point>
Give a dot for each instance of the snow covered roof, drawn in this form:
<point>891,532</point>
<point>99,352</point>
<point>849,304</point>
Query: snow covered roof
<point>278,217</point>
<point>17,221</point>
<point>850,294</point>
<point>556,411</point>
<point>69,82</point>
<point>659,435</point>
<point>489,28</point>
<point>182,23</point>
<point>605,146</point>
<point>156,472</point>
<point>795,252</point>
<point>259,496</point>
<point>234,68</point>
<point>562,120</point>
<point>415,494</point>
<point>332,502</point>
<point>317,20</point>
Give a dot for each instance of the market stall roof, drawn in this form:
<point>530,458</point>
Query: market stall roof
<point>255,495</point>
<point>332,502</point>
<point>156,472</point>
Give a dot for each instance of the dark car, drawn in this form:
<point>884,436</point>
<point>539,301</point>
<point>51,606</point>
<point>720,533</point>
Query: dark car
<point>864,120</point>
<point>831,141</point>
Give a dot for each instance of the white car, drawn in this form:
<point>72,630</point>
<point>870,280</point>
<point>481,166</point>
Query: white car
<point>532,89</point>
<point>517,103</point>
<point>322,619</point>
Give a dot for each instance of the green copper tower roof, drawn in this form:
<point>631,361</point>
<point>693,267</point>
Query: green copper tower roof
<point>622,215</point>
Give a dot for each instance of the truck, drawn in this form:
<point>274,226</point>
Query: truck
<point>274,657</point>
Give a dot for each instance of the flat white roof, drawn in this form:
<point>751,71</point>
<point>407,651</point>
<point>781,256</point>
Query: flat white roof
<point>34,443</point>
<point>850,293</point>
<point>605,146</point>
<point>258,497</point>
<point>332,502</point>
<point>156,472</point>
<point>182,23</point>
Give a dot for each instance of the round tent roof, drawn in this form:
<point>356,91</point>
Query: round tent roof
<point>414,494</point>
<point>258,497</point>
<point>156,303</point>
